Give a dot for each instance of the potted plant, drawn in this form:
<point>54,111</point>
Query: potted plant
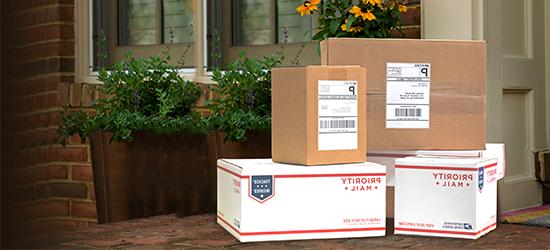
<point>359,18</point>
<point>241,110</point>
<point>150,147</point>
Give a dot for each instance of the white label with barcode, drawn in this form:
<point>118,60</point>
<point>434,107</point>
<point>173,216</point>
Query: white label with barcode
<point>408,95</point>
<point>337,121</point>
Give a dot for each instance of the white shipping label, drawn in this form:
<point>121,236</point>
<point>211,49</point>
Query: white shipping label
<point>408,95</point>
<point>337,115</point>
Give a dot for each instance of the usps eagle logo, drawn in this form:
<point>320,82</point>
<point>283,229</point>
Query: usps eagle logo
<point>480,178</point>
<point>261,187</point>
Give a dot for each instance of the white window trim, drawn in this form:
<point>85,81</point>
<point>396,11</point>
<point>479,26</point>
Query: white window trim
<point>84,45</point>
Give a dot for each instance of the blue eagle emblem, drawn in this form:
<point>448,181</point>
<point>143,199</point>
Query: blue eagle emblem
<point>480,177</point>
<point>261,187</point>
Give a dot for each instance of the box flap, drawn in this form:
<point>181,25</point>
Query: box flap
<point>268,167</point>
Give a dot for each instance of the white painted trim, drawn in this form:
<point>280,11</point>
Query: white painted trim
<point>451,19</point>
<point>529,175</point>
<point>528,42</point>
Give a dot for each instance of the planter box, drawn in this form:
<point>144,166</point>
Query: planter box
<point>160,174</point>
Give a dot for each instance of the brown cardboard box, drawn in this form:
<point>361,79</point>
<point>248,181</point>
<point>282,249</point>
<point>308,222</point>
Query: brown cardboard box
<point>457,89</point>
<point>298,117</point>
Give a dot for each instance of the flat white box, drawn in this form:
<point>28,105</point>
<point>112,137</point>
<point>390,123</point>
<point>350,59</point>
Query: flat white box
<point>388,157</point>
<point>447,197</point>
<point>259,200</point>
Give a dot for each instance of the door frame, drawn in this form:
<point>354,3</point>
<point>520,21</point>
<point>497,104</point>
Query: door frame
<point>469,20</point>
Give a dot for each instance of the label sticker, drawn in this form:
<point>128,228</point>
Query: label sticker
<point>408,95</point>
<point>337,126</point>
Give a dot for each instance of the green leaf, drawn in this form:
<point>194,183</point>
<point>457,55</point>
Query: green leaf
<point>334,25</point>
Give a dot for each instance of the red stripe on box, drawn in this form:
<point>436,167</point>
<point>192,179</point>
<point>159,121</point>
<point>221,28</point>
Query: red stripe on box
<point>301,231</point>
<point>490,165</point>
<point>326,175</point>
<point>444,231</point>
<point>443,167</point>
<point>303,175</point>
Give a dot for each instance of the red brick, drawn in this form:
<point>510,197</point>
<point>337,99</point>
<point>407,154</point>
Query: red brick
<point>75,154</point>
<point>82,172</point>
<point>54,118</point>
<point>91,192</point>
<point>57,172</point>
<point>76,94</point>
<point>43,209</point>
<point>52,101</point>
<point>83,209</point>
<point>88,94</point>
<point>52,136</point>
<point>64,94</point>
<point>30,175</point>
<point>68,190</point>
<point>411,17</point>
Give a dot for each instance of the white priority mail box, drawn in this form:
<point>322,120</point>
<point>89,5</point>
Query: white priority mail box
<point>259,200</point>
<point>387,157</point>
<point>448,197</point>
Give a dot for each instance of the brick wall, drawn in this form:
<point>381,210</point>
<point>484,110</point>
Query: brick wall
<point>46,186</point>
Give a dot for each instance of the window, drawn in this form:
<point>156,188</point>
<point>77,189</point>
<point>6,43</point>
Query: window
<point>227,27</point>
<point>259,27</point>
<point>144,27</point>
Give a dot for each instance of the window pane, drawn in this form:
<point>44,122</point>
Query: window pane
<point>298,28</point>
<point>137,22</point>
<point>251,22</point>
<point>178,21</point>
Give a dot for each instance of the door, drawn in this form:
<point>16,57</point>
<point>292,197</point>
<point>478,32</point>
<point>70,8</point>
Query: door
<point>516,107</point>
<point>518,99</point>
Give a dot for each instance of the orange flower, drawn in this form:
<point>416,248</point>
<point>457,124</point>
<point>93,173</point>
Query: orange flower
<point>365,15</point>
<point>373,2</point>
<point>308,6</point>
<point>402,8</point>
<point>352,29</point>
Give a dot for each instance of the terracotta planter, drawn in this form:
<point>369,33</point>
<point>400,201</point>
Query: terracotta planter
<point>160,174</point>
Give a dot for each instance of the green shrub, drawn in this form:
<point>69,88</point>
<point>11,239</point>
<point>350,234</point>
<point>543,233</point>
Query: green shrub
<point>141,94</point>
<point>243,93</point>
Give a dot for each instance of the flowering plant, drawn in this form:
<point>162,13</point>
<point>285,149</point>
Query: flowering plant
<point>355,18</point>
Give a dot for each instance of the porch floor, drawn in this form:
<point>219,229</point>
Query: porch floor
<point>171,232</point>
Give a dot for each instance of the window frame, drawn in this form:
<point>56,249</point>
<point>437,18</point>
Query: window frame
<point>84,48</point>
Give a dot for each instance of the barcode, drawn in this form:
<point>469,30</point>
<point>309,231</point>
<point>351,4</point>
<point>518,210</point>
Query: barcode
<point>338,124</point>
<point>408,112</point>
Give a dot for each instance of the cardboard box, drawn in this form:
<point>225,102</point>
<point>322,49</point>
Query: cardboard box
<point>388,157</point>
<point>319,115</point>
<point>259,200</point>
<point>421,94</point>
<point>447,197</point>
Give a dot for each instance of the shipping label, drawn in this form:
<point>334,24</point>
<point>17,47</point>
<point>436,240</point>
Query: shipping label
<point>337,126</point>
<point>408,95</point>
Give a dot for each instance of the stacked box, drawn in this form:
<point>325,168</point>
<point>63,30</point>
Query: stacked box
<point>259,200</point>
<point>445,197</point>
<point>319,115</point>
<point>421,94</point>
